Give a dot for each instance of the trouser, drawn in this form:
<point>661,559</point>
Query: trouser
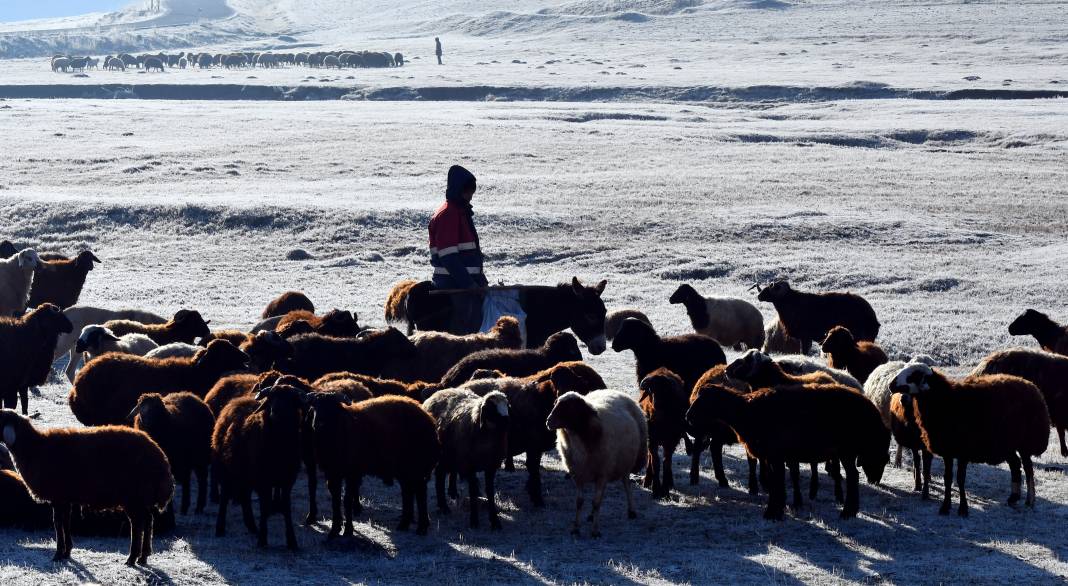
<point>466,317</point>
<point>439,59</point>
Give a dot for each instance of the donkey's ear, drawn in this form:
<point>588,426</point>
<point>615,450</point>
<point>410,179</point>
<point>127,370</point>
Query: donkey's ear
<point>600,286</point>
<point>576,285</point>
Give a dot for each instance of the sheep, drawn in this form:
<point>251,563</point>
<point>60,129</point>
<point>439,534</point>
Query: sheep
<point>380,387</point>
<point>716,436</point>
<point>16,276</point>
<point>256,446</point>
<point>396,311</point>
<point>1048,371</point>
<point>174,350</point>
<point>601,438</point>
<point>235,337</point>
<point>988,418</point>
<point>98,340</point>
<point>7,249</point>
<point>856,357</point>
<point>664,403</point>
<point>108,388</point>
<point>26,346</point>
<point>900,421</point>
<point>287,302</point>
<point>688,356</point>
<point>1050,335</point>
<point>731,322</point>
<point>186,326</point>
<point>106,468</point>
<point>114,64</point>
<point>315,355</point>
<point>17,507</point>
<point>614,320</point>
<point>60,281</point>
<point>336,322</point>
<point>799,365</point>
<point>473,431</point>
<point>560,347</point>
<point>809,316</point>
<point>154,63</point>
<point>60,64</point>
<point>392,438</point>
<point>81,316</point>
<point>530,401</point>
<point>437,352</point>
<point>777,341</point>
<point>265,350</point>
<point>237,385</point>
<point>398,59</point>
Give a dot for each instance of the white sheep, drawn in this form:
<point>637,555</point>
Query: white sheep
<point>174,350</point>
<point>81,316</point>
<point>16,276</point>
<point>96,340</point>
<point>877,387</point>
<point>731,322</point>
<point>601,438</point>
<point>797,365</point>
<point>777,341</point>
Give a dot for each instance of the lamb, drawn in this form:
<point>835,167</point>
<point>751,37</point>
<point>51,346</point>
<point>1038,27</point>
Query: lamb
<point>988,418</point>
<point>392,438</point>
<point>98,340</point>
<point>256,446</point>
<point>181,424</point>
<point>560,347</point>
<point>337,323</point>
<point>437,352</point>
<point>186,326</point>
<point>777,341</point>
<point>105,468</point>
<point>809,316</point>
<point>614,320</point>
<point>664,402</point>
<point>857,357</point>
<point>60,281</point>
<point>315,355</point>
<point>601,438</point>
<point>473,431</point>
<point>1048,371</point>
<point>731,322</point>
<point>173,350</point>
<point>81,316</point>
<point>16,276</point>
<point>287,302</point>
<point>26,346</point>
<point>1050,335</point>
<point>803,423</point>
<point>107,388</point>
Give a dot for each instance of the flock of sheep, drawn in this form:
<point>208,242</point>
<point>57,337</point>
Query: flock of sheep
<point>235,60</point>
<point>165,399</point>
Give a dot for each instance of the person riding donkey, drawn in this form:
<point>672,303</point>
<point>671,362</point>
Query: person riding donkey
<point>455,253</point>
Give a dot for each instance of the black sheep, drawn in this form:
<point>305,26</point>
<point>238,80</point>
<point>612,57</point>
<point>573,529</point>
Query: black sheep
<point>810,316</point>
<point>560,347</point>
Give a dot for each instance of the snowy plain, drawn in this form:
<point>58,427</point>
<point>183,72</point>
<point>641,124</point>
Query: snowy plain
<point>950,216</point>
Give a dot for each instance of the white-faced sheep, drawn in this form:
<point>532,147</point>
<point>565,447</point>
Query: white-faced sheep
<point>601,438</point>
<point>731,322</point>
<point>614,320</point>
<point>108,388</point>
<point>1050,335</point>
<point>473,431</point>
<point>81,316</point>
<point>990,419</point>
<point>181,424</point>
<point>437,352</point>
<point>256,446</point>
<point>98,340</point>
<point>1048,371</point>
<point>809,316</point>
<point>104,468</point>
<point>858,358</point>
<point>899,420</point>
<point>26,346</point>
<point>16,277</point>
<point>60,281</point>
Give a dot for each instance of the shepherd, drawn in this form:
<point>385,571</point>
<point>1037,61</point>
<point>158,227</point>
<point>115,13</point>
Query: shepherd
<point>437,49</point>
<point>455,253</point>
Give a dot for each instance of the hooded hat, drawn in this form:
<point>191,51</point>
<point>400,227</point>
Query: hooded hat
<point>460,180</point>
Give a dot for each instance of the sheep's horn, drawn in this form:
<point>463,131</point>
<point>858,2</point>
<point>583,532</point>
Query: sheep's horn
<point>132,414</point>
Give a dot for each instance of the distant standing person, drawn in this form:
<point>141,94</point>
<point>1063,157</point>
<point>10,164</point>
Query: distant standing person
<point>437,49</point>
<point>455,253</point>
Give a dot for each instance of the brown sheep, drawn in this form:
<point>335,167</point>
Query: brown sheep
<point>805,423</point>
<point>287,302</point>
<point>1050,335</point>
<point>237,385</point>
<point>845,353</point>
<point>397,304</point>
<point>60,281</point>
<point>437,352</point>
<point>809,316</point>
<point>186,326</point>
<point>715,436</point>
<point>27,344</point>
<point>107,388</point>
<point>560,347</point>
<point>664,402</point>
<point>990,419</point>
<point>336,322</point>
<point>315,355</point>
<point>266,350</point>
<point>1048,371</point>
<point>907,435</point>
<point>105,468</point>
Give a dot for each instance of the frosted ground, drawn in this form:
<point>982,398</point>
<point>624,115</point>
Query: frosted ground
<point>950,216</point>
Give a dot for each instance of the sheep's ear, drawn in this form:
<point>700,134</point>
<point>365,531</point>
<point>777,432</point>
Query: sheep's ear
<point>600,286</point>
<point>95,259</point>
<point>108,335</point>
<point>9,436</point>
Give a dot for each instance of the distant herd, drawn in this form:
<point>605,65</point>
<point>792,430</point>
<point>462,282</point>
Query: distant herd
<point>165,399</point>
<point>234,60</point>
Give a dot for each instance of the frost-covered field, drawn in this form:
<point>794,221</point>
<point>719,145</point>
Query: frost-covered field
<point>951,217</point>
